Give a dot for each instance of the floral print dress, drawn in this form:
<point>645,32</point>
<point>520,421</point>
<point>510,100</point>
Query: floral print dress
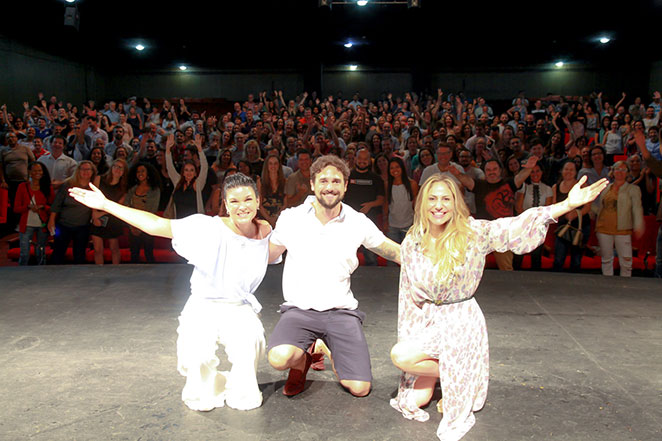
<point>446,323</point>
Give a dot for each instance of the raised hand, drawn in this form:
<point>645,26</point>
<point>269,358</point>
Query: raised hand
<point>579,196</point>
<point>198,141</point>
<point>170,141</point>
<point>91,198</point>
<point>531,162</point>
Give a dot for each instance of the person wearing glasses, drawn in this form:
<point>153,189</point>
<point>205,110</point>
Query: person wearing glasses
<point>620,215</point>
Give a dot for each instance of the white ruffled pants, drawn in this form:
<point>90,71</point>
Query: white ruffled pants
<point>203,325</point>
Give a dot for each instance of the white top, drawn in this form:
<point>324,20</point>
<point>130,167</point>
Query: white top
<point>545,192</point>
<point>433,169</point>
<point>59,169</point>
<point>227,266</point>
<point>321,258</point>
<point>400,210</point>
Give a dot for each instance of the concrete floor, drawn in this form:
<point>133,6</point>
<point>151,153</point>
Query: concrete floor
<point>88,353</point>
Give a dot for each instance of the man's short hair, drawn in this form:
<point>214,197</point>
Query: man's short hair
<point>491,160</point>
<point>303,152</point>
<point>329,160</point>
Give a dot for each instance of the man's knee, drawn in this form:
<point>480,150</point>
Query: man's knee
<point>280,357</point>
<point>356,388</point>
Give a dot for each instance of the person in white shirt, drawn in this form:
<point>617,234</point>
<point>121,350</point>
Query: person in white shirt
<point>230,256</point>
<point>60,166</point>
<point>322,236</point>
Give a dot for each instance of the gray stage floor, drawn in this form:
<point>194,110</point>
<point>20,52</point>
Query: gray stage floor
<point>88,353</point>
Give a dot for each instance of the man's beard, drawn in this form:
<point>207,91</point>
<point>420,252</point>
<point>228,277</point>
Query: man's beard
<point>332,205</point>
<point>361,169</point>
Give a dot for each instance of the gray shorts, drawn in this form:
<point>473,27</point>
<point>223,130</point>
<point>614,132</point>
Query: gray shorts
<point>340,329</point>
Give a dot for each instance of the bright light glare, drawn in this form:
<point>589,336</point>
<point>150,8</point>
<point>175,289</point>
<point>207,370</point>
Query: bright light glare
<point>348,44</point>
<point>353,67</point>
<point>362,2</point>
<point>70,1</point>
<point>604,40</point>
<point>182,67</point>
<point>140,47</point>
<point>559,64</point>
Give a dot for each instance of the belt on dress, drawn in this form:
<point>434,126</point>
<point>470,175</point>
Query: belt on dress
<point>447,302</point>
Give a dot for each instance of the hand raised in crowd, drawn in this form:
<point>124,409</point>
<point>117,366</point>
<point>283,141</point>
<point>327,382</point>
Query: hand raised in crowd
<point>656,95</point>
<point>454,171</point>
<point>198,141</point>
<point>170,141</point>
<point>531,162</point>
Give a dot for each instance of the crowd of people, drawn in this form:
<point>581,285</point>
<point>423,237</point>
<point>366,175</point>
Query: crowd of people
<point>173,159</point>
<point>329,176</point>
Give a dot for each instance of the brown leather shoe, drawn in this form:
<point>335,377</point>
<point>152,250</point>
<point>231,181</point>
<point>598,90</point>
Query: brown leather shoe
<point>296,380</point>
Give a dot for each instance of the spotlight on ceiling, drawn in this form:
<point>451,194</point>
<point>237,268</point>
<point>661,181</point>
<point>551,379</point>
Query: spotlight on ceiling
<point>605,40</point>
<point>559,64</point>
<point>182,67</point>
<point>348,44</point>
<point>140,47</point>
<point>353,67</point>
<point>70,1</point>
<point>362,2</point>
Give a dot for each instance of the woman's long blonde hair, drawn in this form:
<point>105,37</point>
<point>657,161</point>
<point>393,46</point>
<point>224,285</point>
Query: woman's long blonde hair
<point>450,249</point>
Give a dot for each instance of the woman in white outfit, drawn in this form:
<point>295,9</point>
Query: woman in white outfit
<point>230,256</point>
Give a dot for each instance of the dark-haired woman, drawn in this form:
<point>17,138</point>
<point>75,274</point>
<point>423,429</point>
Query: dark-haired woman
<point>98,157</point>
<point>230,256</point>
<point>144,194</point>
<point>401,195</point>
<point>33,202</point>
<point>272,190</point>
<point>187,196</point>
<point>114,184</point>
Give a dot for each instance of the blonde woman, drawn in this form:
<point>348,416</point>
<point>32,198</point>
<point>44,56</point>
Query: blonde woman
<point>620,214</point>
<point>441,329</point>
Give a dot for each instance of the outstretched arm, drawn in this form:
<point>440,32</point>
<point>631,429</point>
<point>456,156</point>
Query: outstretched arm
<point>389,250</point>
<point>578,196</point>
<point>147,222</point>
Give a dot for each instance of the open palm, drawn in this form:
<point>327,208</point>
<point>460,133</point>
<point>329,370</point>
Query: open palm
<point>92,198</point>
<point>579,196</point>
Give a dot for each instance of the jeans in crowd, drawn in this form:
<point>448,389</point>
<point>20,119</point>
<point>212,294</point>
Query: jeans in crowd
<point>623,244</point>
<point>397,235</point>
<point>144,241</point>
<point>658,257</point>
<point>40,245</point>
<point>369,258</point>
<point>63,235</point>
<point>536,259</point>
<point>562,247</point>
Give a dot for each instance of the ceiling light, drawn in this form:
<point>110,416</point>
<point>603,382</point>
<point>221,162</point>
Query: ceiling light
<point>140,47</point>
<point>604,40</point>
<point>353,67</point>
<point>70,1</point>
<point>182,67</point>
<point>362,2</point>
<point>348,44</point>
<point>559,64</point>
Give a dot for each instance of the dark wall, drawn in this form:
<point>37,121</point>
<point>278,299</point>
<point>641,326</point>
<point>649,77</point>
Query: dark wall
<point>24,72</point>
<point>229,85</point>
